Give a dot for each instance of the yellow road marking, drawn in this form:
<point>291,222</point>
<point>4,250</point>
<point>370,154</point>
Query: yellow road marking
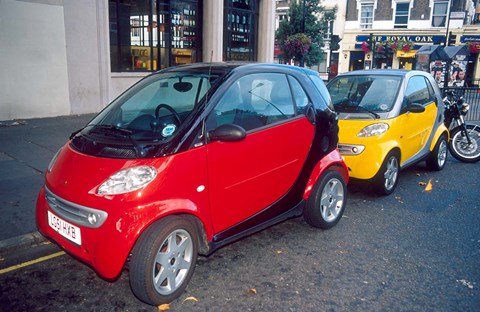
<point>22,265</point>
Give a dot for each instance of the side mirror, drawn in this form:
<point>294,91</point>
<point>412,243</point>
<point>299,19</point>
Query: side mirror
<point>415,108</point>
<point>227,133</point>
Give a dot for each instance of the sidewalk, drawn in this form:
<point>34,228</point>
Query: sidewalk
<point>26,148</point>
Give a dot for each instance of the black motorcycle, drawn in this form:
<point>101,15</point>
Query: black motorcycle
<point>464,142</point>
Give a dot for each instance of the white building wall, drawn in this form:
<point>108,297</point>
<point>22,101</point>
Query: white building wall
<point>33,62</point>
<point>55,55</point>
<point>84,42</point>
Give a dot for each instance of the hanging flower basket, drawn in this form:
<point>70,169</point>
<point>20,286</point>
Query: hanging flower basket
<point>365,48</point>
<point>404,45</point>
<point>380,48</point>
<point>393,45</point>
<point>407,46</point>
<point>297,46</point>
<point>473,47</point>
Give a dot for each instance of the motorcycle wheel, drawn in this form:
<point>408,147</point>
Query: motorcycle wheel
<point>459,147</point>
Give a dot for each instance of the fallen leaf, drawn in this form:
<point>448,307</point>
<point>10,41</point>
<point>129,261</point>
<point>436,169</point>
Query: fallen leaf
<point>466,283</point>
<point>191,298</point>
<point>422,183</point>
<point>428,188</point>
<point>279,252</point>
<point>252,291</point>
<point>164,307</point>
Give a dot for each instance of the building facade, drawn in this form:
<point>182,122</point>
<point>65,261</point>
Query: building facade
<point>62,57</point>
<point>389,33</point>
<point>328,67</point>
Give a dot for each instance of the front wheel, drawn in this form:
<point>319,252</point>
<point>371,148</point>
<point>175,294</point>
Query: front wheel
<point>438,157</point>
<point>386,179</point>
<point>459,146</point>
<point>327,202</point>
<point>163,260</point>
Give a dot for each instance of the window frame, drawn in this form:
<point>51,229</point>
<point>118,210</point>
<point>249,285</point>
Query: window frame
<point>402,14</point>
<point>366,22</point>
<point>445,15</point>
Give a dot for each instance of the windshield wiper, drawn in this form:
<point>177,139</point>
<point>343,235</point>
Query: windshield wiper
<point>377,116</point>
<point>111,129</point>
<point>140,150</point>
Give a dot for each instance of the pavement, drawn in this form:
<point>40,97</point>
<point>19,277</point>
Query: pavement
<point>26,148</point>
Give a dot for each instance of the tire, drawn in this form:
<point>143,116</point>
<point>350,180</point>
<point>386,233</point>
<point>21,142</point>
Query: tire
<point>386,179</point>
<point>326,204</point>
<point>438,157</point>
<point>163,260</point>
<point>460,149</point>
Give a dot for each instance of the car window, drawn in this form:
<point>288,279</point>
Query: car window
<point>375,93</point>
<point>158,102</point>
<point>301,98</point>
<point>254,101</point>
<point>417,91</point>
<point>166,91</point>
<point>320,85</point>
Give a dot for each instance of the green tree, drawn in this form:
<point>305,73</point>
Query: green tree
<point>308,17</point>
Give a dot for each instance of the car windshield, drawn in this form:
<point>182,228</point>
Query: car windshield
<point>364,93</point>
<point>154,108</point>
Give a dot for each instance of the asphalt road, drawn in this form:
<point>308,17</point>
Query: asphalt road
<point>411,251</point>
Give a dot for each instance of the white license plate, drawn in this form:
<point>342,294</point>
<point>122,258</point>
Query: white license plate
<point>67,230</point>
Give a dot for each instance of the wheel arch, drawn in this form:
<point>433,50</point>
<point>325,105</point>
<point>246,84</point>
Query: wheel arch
<point>442,130</point>
<point>397,150</point>
<point>331,161</point>
<point>203,246</point>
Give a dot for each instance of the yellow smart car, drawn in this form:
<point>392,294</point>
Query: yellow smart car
<point>388,119</point>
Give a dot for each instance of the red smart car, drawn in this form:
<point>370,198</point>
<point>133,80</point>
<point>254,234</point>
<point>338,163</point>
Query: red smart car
<point>187,160</point>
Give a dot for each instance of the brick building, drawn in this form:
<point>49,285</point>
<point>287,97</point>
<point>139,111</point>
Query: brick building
<point>388,33</point>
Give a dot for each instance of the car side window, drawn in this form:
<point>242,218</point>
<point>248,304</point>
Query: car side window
<point>301,98</point>
<point>254,101</point>
<point>417,91</point>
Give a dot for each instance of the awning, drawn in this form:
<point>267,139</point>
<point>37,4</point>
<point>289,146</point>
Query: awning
<point>401,53</point>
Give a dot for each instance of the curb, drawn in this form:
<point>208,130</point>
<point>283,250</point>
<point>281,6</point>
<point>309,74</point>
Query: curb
<point>33,238</point>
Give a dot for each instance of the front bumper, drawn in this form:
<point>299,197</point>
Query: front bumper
<point>104,248</point>
<point>365,163</point>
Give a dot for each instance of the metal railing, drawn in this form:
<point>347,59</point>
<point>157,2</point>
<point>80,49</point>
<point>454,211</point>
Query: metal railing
<point>471,95</point>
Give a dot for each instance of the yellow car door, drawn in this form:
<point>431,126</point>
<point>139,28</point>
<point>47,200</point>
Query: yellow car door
<point>416,123</point>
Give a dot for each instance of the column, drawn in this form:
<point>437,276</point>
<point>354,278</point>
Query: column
<point>266,31</point>
<point>212,31</point>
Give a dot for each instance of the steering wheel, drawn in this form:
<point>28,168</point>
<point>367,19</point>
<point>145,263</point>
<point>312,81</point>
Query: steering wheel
<point>171,110</point>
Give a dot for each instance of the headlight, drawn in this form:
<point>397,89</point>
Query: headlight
<point>373,130</point>
<point>465,108</point>
<point>54,159</point>
<point>127,180</point>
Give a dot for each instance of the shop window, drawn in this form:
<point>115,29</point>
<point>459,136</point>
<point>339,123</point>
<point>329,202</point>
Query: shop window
<point>401,15</point>
<point>148,35</point>
<point>241,25</point>
<point>439,14</point>
<point>366,15</point>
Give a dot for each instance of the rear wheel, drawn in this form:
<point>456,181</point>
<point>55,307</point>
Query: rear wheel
<point>438,157</point>
<point>327,202</point>
<point>163,260</point>
<point>386,178</point>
